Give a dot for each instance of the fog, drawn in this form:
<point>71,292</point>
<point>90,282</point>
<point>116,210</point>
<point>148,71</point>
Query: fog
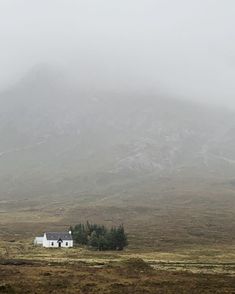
<point>118,112</point>
<point>184,48</point>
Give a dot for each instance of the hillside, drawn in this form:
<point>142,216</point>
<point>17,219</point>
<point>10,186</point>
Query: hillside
<point>147,156</point>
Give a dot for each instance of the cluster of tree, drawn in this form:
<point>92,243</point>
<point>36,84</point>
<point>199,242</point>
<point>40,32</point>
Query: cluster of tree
<point>99,237</point>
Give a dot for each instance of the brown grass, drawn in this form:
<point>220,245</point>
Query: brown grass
<point>128,277</point>
<point>190,246</point>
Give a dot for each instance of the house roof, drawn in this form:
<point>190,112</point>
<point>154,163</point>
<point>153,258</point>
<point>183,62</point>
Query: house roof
<point>58,235</point>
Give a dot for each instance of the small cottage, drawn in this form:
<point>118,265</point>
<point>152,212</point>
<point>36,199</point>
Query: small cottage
<point>55,240</point>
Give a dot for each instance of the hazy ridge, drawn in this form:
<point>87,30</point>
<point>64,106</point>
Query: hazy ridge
<point>54,136</point>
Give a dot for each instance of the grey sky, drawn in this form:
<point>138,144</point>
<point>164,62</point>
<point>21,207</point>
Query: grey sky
<point>184,47</point>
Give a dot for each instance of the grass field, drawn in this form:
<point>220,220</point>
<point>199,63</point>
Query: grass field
<point>133,276</point>
<point>172,249</point>
<point>25,268</point>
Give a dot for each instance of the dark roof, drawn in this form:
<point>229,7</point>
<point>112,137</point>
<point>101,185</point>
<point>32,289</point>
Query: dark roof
<point>58,235</point>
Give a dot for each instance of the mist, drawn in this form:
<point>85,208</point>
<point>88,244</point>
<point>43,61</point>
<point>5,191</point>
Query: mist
<point>117,146</point>
<point>182,48</point>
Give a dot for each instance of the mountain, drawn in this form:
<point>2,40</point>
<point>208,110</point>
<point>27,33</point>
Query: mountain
<point>60,139</point>
<point>164,167</point>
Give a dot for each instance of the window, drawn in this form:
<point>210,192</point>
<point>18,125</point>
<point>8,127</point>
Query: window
<point>52,243</point>
<point>66,244</point>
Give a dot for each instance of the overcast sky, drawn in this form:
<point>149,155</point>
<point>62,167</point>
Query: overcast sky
<point>184,47</point>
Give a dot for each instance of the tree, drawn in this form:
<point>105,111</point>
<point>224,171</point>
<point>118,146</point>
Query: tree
<point>121,238</point>
<point>93,240</point>
<point>79,234</point>
<point>99,237</point>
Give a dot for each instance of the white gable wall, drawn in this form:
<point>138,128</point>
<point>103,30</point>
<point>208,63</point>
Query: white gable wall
<point>38,241</point>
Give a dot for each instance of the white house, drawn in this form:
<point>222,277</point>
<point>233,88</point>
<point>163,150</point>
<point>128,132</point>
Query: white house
<point>55,240</point>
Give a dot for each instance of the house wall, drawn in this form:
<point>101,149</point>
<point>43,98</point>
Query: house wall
<point>38,241</point>
<point>48,243</point>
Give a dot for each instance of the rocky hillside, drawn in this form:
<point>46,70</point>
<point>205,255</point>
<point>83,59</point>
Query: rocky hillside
<point>59,139</point>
